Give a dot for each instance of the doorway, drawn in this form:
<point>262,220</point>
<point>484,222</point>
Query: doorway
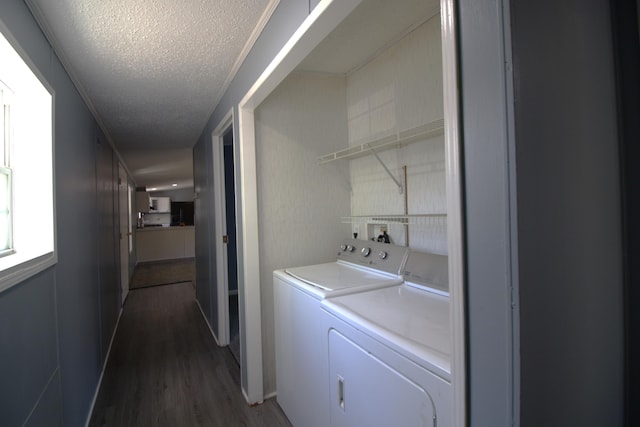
<point>231,242</point>
<point>124,213</point>
<point>325,17</point>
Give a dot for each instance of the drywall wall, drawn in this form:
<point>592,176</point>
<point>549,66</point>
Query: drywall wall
<point>204,243</point>
<point>300,203</point>
<point>55,326</point>
<point>398,91</point>
<point>283,23</point>
<point>29,351</point>
<point>542,214</point>
<point>569,214</point>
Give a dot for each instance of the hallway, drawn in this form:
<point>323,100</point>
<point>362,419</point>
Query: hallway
<point>165,369</point>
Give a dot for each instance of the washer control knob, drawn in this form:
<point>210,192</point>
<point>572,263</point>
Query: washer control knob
<point>382,255</point>
<point>365,252</point>
<point>343,247</point>
<point>350,248</point>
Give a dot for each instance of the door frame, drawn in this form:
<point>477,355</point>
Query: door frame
<point>123,231</point>
<point>220,227</point>
<point>324,18</point>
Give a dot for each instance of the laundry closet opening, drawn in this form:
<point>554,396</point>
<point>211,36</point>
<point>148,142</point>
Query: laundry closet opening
<point>375,77</point>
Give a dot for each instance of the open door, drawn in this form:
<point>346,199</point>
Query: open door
<point>124,209</point>
<point>227,332</point>
<point>231,243</point>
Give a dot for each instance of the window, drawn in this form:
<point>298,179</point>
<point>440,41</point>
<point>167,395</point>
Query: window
<point>27,211</point>
<point>6,221</point>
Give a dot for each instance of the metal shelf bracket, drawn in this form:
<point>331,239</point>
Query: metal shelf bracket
<point>400,187</point>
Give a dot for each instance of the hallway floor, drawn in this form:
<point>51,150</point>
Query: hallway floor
<point>165,369</point>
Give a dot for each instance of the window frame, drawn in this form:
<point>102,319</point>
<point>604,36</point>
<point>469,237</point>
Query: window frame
<point>29,262</point>
<point>5,164</point>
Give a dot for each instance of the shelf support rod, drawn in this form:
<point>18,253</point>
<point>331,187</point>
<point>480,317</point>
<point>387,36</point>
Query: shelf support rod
<point>400,188</point>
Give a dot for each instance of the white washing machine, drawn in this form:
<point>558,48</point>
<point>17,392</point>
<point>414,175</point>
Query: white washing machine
<point>301,340</point>
<point>390,351</point>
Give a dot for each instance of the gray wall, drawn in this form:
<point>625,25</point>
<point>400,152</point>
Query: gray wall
<point>285,20</point>
<point>55,326</point>
<point>569,214</point>
<point>542,213</point>
<point>204,244</point>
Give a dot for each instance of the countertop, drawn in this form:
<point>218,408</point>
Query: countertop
<point>174,227</point>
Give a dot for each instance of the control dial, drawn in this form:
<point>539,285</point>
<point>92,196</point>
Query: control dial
<point>343,247</point>
<point>350,248</point>
<point>365,252</point>
<point>382,255</point>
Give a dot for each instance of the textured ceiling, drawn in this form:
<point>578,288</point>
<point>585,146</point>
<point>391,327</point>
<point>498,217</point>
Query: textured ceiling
<point>151,70</point>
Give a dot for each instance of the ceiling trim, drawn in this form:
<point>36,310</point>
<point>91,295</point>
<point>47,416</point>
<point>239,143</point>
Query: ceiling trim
<point>53,42</point>
<point>257,30</point>
<point>262,22</point>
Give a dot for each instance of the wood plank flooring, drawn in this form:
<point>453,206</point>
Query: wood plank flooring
<point>165,369</point>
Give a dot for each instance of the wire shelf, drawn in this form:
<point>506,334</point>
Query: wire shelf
<point>419,219</point>
<point>397,140</point>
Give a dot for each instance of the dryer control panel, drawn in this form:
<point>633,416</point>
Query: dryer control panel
<point>381,256</point>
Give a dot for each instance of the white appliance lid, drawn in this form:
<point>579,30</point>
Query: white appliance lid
<point>412,321</point>
<point>334,276</point>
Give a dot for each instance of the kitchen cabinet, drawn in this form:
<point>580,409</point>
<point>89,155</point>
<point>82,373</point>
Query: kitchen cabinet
<point>161,204</point>
<point>142,201</point>
<point>164,243</point>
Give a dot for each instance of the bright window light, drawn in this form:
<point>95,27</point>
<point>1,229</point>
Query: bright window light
<point>27,214</point>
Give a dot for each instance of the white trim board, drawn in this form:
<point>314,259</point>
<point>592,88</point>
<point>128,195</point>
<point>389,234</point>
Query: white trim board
<point>104,367</point>
<point>323,19</point>
<point>222,275</point>
<point>215,338</point>
<point>454,210</point>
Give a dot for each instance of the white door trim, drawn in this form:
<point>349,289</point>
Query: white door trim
<point>123,249</point>
<point>320,22</point>
<point>222,275</point>
<point>454,209</point>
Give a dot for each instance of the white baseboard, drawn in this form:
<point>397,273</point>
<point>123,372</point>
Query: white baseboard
<point>104,367</point>
<point>208,324</point>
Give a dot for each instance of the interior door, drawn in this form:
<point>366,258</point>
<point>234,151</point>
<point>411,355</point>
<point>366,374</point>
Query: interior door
<point>231,245</point>
<point>125,231</point>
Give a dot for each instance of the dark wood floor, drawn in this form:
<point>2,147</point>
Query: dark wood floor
<point>166,370</point>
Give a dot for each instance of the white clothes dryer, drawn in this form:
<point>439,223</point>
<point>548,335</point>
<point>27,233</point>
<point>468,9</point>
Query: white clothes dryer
<point>301,341</point>
<point>390,351</point>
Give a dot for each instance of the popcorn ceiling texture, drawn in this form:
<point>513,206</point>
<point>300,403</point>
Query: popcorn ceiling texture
<point>153,69</point>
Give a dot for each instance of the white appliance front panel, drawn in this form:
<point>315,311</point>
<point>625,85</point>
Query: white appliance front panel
<point>412,321</point>
<point>301,345</point>
<point>368,392</point>
<point>301,357</point>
